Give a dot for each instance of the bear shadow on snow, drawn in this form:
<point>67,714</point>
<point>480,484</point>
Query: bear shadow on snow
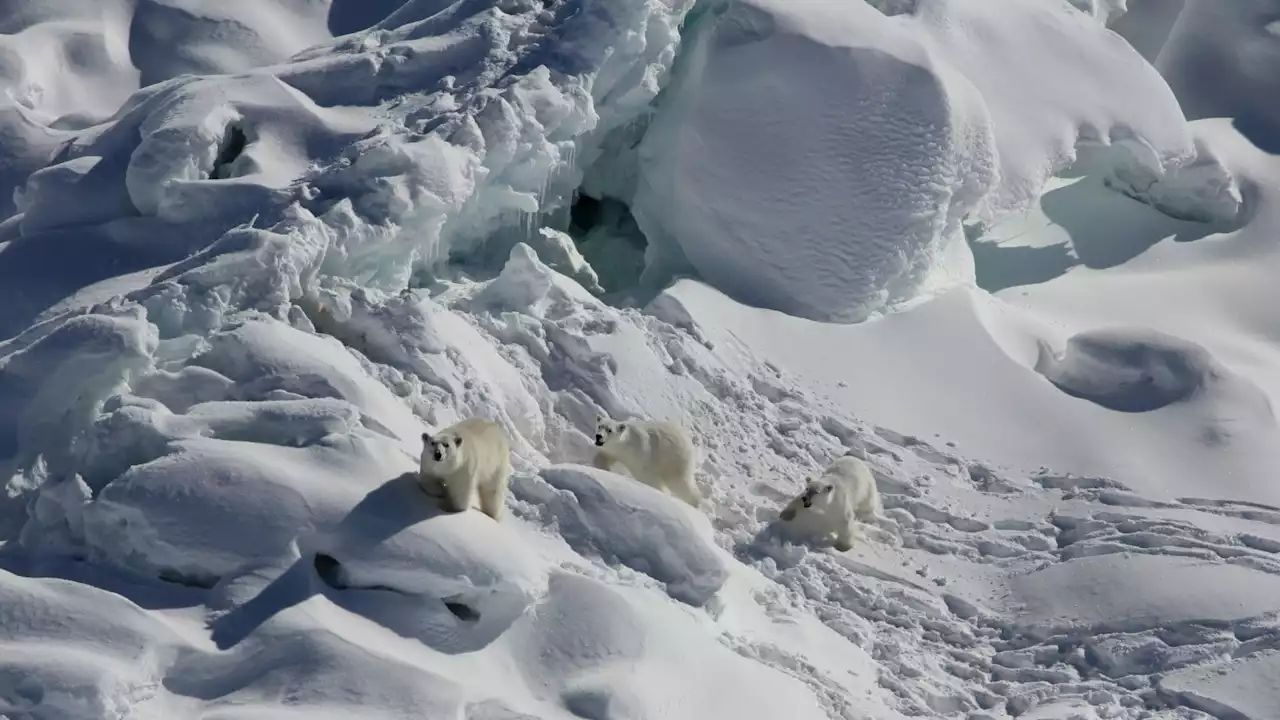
<point>451,624</point>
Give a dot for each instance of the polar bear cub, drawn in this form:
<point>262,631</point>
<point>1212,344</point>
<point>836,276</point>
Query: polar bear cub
<point>832,502</point>
<point>469,458</point>
<point>658,454</point>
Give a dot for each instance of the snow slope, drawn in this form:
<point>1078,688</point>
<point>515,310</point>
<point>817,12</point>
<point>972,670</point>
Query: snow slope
<point>254,252</point>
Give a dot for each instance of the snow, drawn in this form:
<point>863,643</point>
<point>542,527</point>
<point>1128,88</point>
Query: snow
<point>1019,258</point>
<point>871,216</point>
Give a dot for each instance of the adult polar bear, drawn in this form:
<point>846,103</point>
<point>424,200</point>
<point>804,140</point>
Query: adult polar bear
<point>833,502</point>
<point>469,458</point>
<point>658,454</point>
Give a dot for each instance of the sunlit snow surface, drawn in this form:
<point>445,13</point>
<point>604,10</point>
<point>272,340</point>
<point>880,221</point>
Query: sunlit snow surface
<point>250,252</point>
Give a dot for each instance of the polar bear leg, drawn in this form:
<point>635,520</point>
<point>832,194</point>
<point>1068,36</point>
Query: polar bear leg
<point>685,488</point>
<point>493,496</point>
<point>431,485</point>
<point>457,495</point>
<point>603,460</point>
<point>789,512</point>
<point>845,536</point>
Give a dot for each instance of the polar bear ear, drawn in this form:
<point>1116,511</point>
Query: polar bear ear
<point>457,442</point>
<point>622,426</point>
<point>426,438</point>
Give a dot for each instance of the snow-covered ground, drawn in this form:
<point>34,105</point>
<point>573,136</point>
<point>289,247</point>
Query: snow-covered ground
<point>1020,256</point>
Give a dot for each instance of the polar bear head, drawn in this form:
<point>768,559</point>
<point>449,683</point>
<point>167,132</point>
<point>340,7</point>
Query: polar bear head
<point>607,429</point>
<point>444,450</point>
<point>816,490</point>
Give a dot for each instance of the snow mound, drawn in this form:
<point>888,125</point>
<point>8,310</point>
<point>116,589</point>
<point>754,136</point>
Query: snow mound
<point>637,661</point>
<point>54,378</point>
<point>71,650</point>
<point>466,576</point>
<point>631,524</point>
<point>786,195</point>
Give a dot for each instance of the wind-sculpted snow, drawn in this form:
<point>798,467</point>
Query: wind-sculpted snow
<point>818,157</point>
<point>762,175</point>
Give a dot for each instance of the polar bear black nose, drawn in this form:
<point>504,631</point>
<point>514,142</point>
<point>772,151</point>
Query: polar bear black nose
<point>438,455</point>
<point>599,439</point>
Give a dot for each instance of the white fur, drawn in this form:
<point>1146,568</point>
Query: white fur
<point>475,459</point>
<point>842,495</point>
<point>658,454</point>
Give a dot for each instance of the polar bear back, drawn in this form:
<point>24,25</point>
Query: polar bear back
<point>854,482</point>
<point>486,452</point>
<point>659,448</point>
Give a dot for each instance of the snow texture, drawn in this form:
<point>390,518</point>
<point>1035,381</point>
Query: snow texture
<point>250,252</point>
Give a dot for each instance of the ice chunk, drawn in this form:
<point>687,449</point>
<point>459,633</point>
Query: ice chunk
<point>561,254</point>
<point>1201,191</point>
<point>527,285</point>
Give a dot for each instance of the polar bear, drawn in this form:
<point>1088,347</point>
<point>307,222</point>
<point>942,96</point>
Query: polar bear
<point>658,454</point>
<point>472,457</point>
<point>832,502</point>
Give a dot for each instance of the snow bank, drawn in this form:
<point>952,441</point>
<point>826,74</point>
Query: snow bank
<point>631,524</point>
<point>831,205</point>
